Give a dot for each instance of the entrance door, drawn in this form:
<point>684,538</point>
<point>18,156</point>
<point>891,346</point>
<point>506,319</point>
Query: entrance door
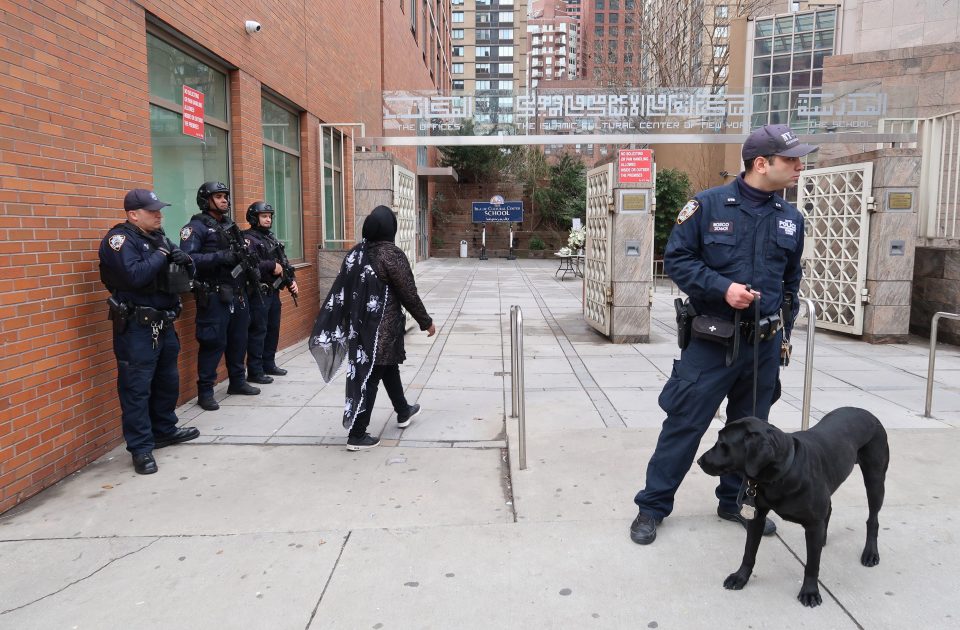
<point>404,197</point>
<point>835,203</point>
<point>598,291</point>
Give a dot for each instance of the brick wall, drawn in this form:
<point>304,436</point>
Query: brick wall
<point>75,136</point>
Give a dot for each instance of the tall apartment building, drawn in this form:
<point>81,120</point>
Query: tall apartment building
<point>554,42</point>
<point>489,46</point>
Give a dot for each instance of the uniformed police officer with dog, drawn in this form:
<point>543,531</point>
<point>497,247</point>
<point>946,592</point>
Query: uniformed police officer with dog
<point>735,251</point>
<point>145,273</point>
<point>226,280</point>
<point>276,274</point>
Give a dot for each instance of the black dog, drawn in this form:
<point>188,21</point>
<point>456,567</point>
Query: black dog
<point>795,475</point>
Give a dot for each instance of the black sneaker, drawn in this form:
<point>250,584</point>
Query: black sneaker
<point>403,419</point>
<point>643,530</point>
<point>361,443</point>
<point>769,527</point>
<point>144,463</point>
<point>243,389</point>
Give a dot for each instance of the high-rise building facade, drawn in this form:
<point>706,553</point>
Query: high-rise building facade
<point>489,45</point>
<point>554,42</point>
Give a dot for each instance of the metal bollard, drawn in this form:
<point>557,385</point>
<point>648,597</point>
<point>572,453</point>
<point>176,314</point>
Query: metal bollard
<point>516,364</point>
<point>808,362</point>
<point>933,355</point>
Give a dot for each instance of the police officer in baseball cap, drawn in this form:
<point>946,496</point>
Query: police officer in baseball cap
<point>734,248</point>
<point>145,274</point>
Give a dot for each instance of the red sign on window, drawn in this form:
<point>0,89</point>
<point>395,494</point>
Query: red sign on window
<point>192,112</point>
<point>635,166</point>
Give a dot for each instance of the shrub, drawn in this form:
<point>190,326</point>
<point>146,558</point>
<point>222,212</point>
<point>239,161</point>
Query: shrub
<point>537,244</point>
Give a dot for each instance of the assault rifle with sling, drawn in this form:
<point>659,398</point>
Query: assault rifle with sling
<point>286,277</point>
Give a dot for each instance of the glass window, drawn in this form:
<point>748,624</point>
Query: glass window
<point>613,18</point>
<point>598,5</point>
<point>505,17</point>
<point>333,232</point>
<point>457,51</point>
<point>826,19</point>
<point>614,5</point>
<point>780,81</point>
<point>483,34</point>
<point>504,85</point>
<point>505,68</point>
<point>482,85</point>
<point>824,39</point>
<point>721,12</point>
<point>458,84</point>
<point>456,68</point>
<point>598,31</point>
<point>761,66</point>
<point>781,63</point>
<point>181,162</point>
<point>281,174</point>
<point>505,51</point>
<point>764,28</point>
<point>457,17</point>
<point>483,51</point>
<point>599,18</point>
<point>802,42</point>
<point>804,23</point>
<point>456,33</point>
<point>721,31</point>
<point>613,31</point>
<point>783,25</point>
<point>505,34</point>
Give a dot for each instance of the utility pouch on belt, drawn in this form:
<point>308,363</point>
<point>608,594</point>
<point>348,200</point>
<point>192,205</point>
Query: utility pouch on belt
<point>226,294</point>
<point>714,329</point>
<point>685,317</point>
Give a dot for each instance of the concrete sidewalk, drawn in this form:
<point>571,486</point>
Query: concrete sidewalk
<point>266,522</point>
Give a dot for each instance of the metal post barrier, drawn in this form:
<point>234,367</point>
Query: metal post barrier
<point>808,361</point>
<point>516,355</point>
<point>933,355</point>
<point>514,404</point>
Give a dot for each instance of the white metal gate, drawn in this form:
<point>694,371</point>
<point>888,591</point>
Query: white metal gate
<point>598,292</point>
<point>836,202</point>
<point>404,204</point>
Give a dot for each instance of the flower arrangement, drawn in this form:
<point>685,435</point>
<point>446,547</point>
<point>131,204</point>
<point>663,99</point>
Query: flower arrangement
<point>577,238</point>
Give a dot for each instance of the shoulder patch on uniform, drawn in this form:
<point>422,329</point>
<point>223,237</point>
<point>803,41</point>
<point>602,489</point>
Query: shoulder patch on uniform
<point>116,242</point>
<point>246,242</point>
<point>688,210</point>
<point>186,232</point>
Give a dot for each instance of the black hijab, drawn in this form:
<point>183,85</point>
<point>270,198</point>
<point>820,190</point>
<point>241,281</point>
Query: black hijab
<point>350,317</point>
<point>380,225</point>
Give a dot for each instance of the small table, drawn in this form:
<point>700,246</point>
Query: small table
<point>569,263</point>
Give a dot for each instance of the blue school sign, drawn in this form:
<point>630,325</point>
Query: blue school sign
<point>504,212</point>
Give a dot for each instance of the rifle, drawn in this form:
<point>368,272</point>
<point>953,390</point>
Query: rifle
<point>249,263</point>
<point>286,277</point>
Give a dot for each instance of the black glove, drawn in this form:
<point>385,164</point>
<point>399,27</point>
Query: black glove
<point>228,258</point>
<point>180,257</point>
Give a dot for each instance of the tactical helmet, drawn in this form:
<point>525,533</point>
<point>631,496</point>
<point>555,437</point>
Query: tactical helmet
<point>257,207</point>
<point>207,190</point>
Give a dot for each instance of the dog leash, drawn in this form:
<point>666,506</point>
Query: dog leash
<point>756,347</point>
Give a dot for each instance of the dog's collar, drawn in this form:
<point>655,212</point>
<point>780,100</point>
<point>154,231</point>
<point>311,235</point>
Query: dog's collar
<point>783,471</point>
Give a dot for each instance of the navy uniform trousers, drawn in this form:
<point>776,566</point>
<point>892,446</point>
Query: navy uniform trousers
<point>222,333</point>
<point>264,334</point>
<point>148,384</point>
<point>698,384</point>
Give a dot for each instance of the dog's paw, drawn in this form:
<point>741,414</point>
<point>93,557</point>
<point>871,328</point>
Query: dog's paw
<point>810,597</point>
<point>736,581</point>
<point>870,557</point>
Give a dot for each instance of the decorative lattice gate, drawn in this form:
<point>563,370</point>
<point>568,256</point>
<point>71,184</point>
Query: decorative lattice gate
<point>404,204</point>
<point>836,202</point>
<point>598,292</point>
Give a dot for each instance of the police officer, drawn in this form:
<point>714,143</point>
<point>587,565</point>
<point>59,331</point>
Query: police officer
<point>277,273</point>
<point>732,245</point>
<point>144,272</point>
<point>213,241</point>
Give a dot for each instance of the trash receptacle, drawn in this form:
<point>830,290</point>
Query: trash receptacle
<point>463,249</point>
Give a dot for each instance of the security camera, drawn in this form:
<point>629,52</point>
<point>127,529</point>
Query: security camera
<point>252,27</point>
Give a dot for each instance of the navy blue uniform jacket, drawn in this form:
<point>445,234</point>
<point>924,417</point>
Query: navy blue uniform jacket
<point>723,242</point>
<point>134,261</point>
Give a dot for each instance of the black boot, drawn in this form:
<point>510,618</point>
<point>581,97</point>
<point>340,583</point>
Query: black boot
<point>244,389</point>
<point>144,463</point>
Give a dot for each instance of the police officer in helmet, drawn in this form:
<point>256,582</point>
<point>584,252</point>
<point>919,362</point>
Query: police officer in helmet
<point>277,273</point>
<point>212,240</point>
<point>735,251</point>
<point>145,273</point>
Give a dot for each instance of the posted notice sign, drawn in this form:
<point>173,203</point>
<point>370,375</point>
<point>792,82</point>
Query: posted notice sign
<point>635,166</point>
<point>505,211</point>
<point>192,112</point>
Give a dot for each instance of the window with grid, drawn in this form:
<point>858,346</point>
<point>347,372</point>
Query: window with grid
<point>180,162</point>
<point>281,173</point>
<point>333,218</point>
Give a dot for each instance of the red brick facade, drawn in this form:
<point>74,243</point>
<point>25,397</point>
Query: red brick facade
<point>75,136</point>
